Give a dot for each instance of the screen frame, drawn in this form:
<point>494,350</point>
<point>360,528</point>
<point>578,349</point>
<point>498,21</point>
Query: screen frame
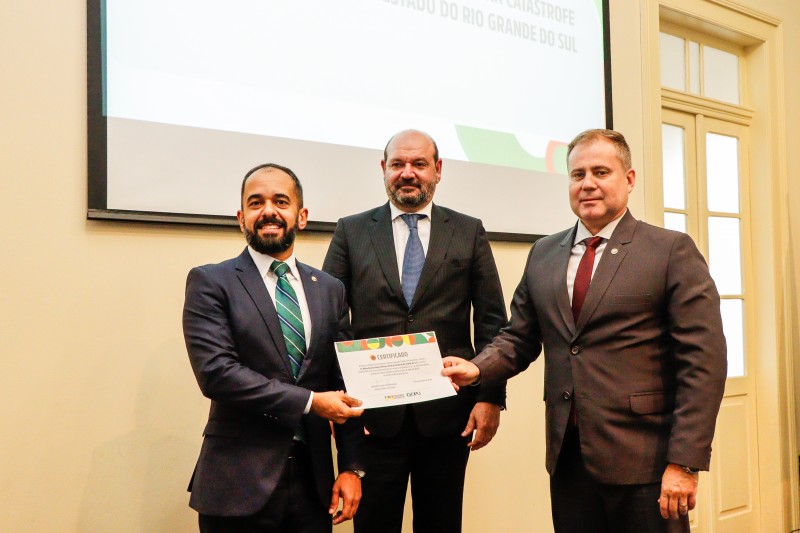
<point>97,191</point>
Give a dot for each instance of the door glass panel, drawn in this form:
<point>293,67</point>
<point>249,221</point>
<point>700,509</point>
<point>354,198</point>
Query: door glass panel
<point>675,221</point>
<point>733,326</point>
<point>673,62</point>
<point>724,254</point>
<point>722,173</point>
<point>672,158</point>
<point>720,75</point>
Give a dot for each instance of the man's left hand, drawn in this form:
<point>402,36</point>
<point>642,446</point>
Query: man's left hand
<point>484,420</point>
<point>348,489</point>
<point>678,492</point>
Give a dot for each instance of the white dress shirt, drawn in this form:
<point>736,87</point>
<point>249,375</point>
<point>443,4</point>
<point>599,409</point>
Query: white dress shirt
<point>400,231</point>
<point>578,248</point>
<point>263,263</point>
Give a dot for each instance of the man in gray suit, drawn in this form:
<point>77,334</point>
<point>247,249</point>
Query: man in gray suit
<point>412,266</point>
<point>635,357</point>
<point>260,332</point>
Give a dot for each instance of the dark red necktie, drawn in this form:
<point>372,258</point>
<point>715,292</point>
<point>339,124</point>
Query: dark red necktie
<point>579,289</point>
<point>584,275</point>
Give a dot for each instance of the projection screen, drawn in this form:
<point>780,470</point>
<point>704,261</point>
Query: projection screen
<point>186,96</point>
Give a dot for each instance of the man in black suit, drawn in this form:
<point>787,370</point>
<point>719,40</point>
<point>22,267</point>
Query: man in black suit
<point>272,377</point>
<point>411,266</point>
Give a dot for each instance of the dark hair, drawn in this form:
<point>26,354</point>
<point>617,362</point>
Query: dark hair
<point>435,147</point>
<point>298,188</point>
<point>623,150</point>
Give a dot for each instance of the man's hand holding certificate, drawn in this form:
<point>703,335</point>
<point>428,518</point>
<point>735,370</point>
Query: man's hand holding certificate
<point>394,370</point>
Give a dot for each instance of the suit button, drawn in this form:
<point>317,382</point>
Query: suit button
<point>567,395</point>
<point>411,318</point>
<point>575,350</point>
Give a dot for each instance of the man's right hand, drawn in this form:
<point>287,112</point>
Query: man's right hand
<point>335,406</point>
<point>460,371</point>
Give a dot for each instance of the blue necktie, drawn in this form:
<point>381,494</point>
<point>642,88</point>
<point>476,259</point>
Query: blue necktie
<point>414,258</point>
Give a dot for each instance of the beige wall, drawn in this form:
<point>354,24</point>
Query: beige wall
<point>789,12</point>
<point>101,414</point>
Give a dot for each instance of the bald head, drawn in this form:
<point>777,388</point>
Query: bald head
<point>410,133</point>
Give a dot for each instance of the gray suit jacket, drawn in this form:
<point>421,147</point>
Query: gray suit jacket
<point>645,364</point>
<point>459,277</point>
<point>239,358</point>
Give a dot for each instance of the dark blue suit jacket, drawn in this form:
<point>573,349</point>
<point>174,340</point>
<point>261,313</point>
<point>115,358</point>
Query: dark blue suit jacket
<point>239,358</point>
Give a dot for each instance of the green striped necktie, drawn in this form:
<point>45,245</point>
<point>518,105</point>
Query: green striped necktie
<point>288,307</point>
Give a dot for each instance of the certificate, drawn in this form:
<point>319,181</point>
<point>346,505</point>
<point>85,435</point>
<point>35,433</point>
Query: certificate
<point>394,370</point>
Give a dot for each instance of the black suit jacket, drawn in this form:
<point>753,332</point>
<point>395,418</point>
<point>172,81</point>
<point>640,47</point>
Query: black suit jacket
<point>239,358</point>
<point>459,277</point>
<point>645,364</point>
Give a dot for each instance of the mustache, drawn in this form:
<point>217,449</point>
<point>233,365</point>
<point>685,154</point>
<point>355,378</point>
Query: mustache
<point>269,220</point>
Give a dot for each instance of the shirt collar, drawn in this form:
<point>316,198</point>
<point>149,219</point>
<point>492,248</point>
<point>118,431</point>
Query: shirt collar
<point>264,261</point>
<point>424,211</point>
<point>583,233</point>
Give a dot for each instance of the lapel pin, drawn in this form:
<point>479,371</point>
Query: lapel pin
<point>614,251</point>
<point>313,278</point>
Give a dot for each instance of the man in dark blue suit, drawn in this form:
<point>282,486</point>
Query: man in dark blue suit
<point>260,332</point>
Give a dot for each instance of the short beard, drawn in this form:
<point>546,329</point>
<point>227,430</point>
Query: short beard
<point>271,245</point>
<point>421,198</point>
